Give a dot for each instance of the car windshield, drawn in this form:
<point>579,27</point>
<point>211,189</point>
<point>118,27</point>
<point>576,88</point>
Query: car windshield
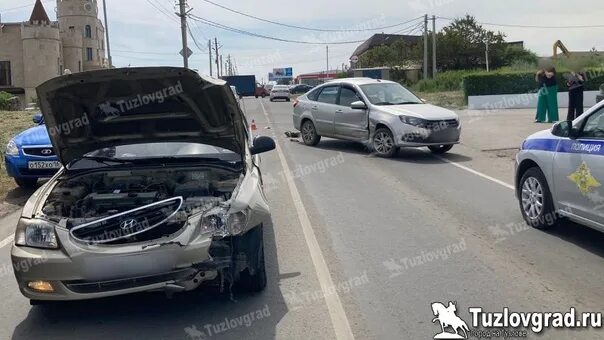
<point>389,94</point>
<point>280,88</point>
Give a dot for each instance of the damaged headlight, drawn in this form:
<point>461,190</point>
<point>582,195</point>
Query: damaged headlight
<point>419,122</point>
<point>218,222</point>
<point>36,233</point>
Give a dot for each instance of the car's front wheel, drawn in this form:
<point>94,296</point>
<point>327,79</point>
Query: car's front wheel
<point>309,134</point>
<point>27,183</point>
<point>383,143</point>
<point>253,279</point>
<point>536,203</point>
<point>440,149</point>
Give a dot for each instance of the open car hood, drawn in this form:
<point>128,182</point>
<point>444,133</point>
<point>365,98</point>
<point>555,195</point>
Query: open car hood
<point>93,110</point>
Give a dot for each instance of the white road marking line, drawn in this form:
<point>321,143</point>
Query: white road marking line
<point>7,241</point>
<point>477,173</point>
<point>339,320</point>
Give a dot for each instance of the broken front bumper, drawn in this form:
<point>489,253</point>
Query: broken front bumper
<point>107,272</point>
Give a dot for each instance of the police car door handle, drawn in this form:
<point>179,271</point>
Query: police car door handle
<point>339,111</point>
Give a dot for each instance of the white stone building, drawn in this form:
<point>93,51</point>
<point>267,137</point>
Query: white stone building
<point>39,49</point>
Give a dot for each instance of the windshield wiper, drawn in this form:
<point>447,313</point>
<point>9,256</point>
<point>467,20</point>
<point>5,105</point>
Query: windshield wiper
<point>384,103</point>
<point>106,160</point>
<point>405,103</point>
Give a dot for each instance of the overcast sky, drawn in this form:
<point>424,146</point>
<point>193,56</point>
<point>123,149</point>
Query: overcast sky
<point>142,35</point>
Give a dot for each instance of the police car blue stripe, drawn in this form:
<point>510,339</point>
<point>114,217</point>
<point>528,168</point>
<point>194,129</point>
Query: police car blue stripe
<point>591,147</point>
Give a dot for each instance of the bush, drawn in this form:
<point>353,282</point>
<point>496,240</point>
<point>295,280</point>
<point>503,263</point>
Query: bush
<point>502,82</point>
<point>446,81</point>
<point>5,104</point>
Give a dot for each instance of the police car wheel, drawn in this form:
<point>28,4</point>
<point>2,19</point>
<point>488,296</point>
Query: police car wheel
<point>536,203</point>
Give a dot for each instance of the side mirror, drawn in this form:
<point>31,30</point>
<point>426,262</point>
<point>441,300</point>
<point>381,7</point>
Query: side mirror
<point>262,144</point>
<point>358,105</point>
<point>38,119</point>
<point>564,129</point>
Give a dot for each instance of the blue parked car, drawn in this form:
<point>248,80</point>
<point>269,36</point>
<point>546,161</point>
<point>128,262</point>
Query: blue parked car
<point>30,155</point>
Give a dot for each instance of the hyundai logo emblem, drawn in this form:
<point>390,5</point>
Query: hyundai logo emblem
<point>46,151</point>
<point>128,225</point>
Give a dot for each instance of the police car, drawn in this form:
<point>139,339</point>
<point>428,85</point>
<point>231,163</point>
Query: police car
<point>560,173</point>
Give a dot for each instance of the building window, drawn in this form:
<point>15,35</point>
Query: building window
<point>5,77</point>
<point>89,54</point>
<point>88,31</point>
<point>79,66</point>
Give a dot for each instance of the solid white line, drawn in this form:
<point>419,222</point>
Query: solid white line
<point>332,299</point>
<point>477,173</point>
<point>7,241</point>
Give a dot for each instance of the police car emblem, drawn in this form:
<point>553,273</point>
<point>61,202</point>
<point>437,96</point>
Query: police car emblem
<point>584,179</point>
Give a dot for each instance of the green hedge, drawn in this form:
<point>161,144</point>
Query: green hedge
<point>493,83</point>
<point>445,81</point>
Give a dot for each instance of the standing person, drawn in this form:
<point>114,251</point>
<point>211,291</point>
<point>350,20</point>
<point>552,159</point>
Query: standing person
<point>547,106</point>
<point>575,83</point>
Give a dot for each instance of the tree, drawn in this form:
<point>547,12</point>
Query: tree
<point>462,45</point>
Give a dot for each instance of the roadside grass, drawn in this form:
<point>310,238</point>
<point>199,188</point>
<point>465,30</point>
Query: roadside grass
<point>11,122</point>
<point>454,100</point>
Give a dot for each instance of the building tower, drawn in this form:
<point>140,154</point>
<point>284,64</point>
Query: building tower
<point>82,34</point>
<point>41,50</point>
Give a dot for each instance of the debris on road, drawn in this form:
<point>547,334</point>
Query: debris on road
<point>292,134</point>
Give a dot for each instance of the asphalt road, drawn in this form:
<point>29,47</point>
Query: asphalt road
<point>358,244</point>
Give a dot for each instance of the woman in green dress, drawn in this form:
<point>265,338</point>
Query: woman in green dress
<point>547,106</point>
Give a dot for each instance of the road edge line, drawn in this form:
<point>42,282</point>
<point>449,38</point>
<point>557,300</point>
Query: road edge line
<point>335,308</point>
<point>7,241</point>
<point>477,173</point>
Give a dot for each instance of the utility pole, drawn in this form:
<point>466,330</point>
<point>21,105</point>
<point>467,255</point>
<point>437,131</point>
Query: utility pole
<point>487,54</point>
<point>221,70</point>
<point>327,70</point>
<point>210,53</point>
<point>426,46</point>
<point>434,71</point>
<point>183,30</point>
<point>107,33</point>
<point>217,53</point>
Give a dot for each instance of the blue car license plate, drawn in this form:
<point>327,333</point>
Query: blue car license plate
<point>41,165</point>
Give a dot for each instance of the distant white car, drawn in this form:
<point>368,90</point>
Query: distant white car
<point>280,92</point>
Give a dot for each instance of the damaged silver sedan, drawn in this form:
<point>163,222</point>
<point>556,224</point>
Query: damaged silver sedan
<point>160,189</point>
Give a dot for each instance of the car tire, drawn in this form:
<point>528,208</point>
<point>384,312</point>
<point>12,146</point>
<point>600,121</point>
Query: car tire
<point>309,133</point>
<point>288,99</point>
<point>536,202</point>
<point>257,97</point>
<point>256,282</point>
<point>27,183</point>
<point>441,149</point>
<point>272,100</point>
<point>383,143</point>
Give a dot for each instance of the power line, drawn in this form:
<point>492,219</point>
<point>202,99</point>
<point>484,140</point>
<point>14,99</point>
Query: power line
<point>530,26</point>
<point>145,52</point>
<point>195,40</point>
<point>162,10</point>
<point>308,28</point>
<point>23,6</point>
<point>236,30</point>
